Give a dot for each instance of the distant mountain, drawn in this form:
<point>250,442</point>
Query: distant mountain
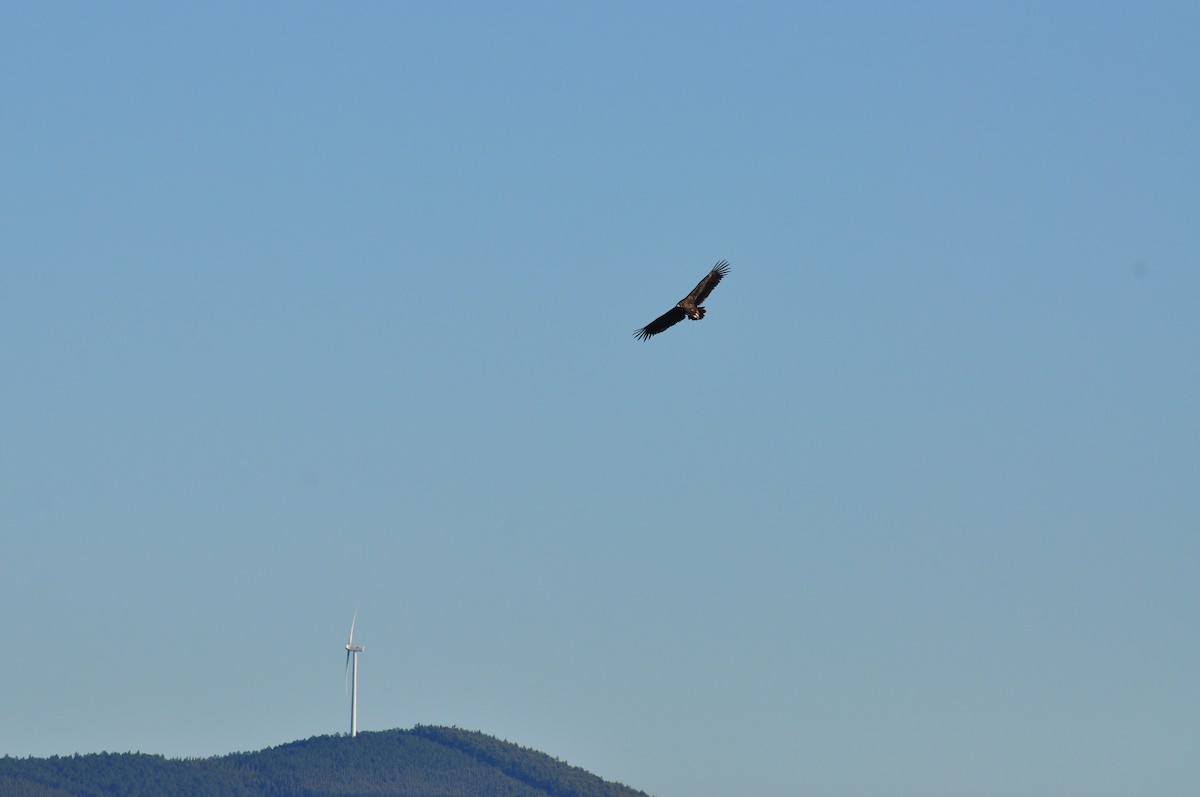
<point>426,761</point>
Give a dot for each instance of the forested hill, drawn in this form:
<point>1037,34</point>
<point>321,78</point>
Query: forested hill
<point>423,762</point>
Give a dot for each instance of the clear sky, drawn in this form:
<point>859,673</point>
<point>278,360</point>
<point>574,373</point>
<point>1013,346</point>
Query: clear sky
<point>311,307</point>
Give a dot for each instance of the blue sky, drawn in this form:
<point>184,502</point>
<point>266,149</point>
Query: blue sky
<point>309,308</point>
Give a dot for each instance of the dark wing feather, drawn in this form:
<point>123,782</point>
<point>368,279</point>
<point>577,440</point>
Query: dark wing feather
<point>664,321</point>
<point>710,281</point>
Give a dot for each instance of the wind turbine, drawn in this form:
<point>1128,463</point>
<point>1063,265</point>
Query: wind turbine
<point>352,651</point>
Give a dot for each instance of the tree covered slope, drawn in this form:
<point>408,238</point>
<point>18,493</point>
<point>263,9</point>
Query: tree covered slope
<point>423,762</point>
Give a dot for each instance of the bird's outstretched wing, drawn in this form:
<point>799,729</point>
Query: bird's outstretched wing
<point>710,281</point>
<point>664,321</point>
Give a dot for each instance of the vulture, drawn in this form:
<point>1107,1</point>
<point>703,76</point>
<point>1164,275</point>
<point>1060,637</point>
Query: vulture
<point>688,306</point>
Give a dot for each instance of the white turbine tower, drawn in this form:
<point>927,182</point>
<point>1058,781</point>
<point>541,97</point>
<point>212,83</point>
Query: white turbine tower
<point>352,651</point>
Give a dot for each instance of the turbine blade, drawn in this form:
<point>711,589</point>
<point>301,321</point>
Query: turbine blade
<point>350,641</point>
<point>346,678</point>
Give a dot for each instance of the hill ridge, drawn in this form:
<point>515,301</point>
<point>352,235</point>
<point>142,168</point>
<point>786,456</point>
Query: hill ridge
<point>566,780</point>
<point>425,761</point>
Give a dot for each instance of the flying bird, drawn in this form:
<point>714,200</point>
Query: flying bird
<point>689,306</point>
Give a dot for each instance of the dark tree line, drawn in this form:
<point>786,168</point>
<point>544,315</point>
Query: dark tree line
<point>426,761</point>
